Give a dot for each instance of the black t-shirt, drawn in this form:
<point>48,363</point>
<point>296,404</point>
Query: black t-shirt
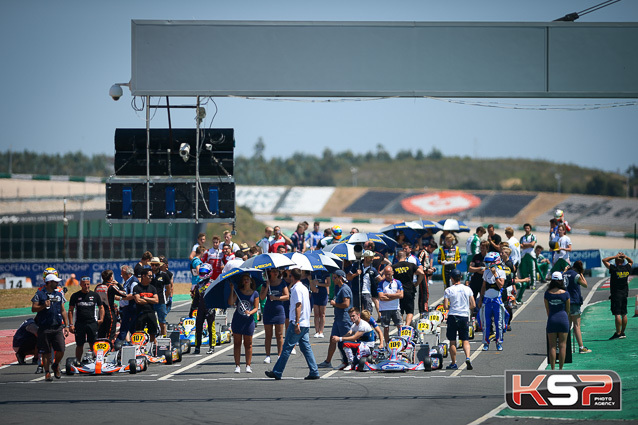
<point>497,240</point>
<point>508,267</point>
<point>619,278</point>
<point>108,291</point>
<point>160,280</point>
<point>144,291</point>
<point>404,273</point>
<point>476,281</point>
<point>86,306</point>
<point>137,271</point>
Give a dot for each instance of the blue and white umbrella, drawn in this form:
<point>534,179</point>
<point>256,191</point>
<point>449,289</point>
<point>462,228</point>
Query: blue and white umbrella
<point>338,261</point>
<point>268,261</point>
<point>344,251</point>
<point>382,242</point>
<point>301,262</point>
<point>453,225</point>
<point>321,264</point>
<point>217,292</point>
<point>411,229</point>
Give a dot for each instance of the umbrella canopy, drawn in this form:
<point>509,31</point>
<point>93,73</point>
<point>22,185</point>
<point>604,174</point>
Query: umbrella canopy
<point>321,264</point>
<point>428,225</point>
<point>332,256</point>
<point>411,229</point>
<point>216,295</point>
<point>302,262</point>
<point>268,261</point>
<point>344,251</point>
<point>454,225</point>
<point>381,241</point>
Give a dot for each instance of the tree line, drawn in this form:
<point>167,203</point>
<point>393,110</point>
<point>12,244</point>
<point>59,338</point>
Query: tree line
<point>375,168</point>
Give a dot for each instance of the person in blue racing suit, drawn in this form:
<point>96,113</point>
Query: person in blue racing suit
<point>490,304</point>
<point>204,313</point>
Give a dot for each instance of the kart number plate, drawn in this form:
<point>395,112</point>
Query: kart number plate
<point>394,345</point>
<point>424,326</point>
<point>189,322</point>
<point>138,338</point>
<point>101,346</point>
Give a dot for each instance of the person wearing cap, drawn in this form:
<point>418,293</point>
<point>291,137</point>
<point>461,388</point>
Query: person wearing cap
<point>491,308</point>
<point>297,332</point>
<point>619,290</point>
<point>557,307</point>
<point>390,293</point>
<point>342,323</point>
<point>363,277</point>
<point>160,281</point>
<point>25,341</point>
<point>459,300</point>
<point>51,318</point>
<point>87,303</point>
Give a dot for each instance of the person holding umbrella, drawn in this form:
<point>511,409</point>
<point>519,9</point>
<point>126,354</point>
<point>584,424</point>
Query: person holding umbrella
<point>243,325</point>
<point>275,292</point>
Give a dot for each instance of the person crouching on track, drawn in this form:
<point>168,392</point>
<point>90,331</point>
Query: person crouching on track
<point>459,300</point>
<point>359,339</point>
<point>490,304</point>
<point>204,313</point>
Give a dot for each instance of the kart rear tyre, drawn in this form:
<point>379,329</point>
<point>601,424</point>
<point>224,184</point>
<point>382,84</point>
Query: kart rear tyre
<point>361,366</point>
<point>69,363</point>
<point>132,366</point>
<point>144,362</point>
<point>427,364</point>
<point>179,354</point>
<point>169,357</point>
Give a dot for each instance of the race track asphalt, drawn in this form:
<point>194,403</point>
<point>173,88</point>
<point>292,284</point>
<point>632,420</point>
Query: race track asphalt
<point>210,392</point>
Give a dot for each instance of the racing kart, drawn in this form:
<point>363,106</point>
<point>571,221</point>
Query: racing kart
<point>403,355</point>
<point>103,359</point>
<point>161,351</point>
<point>186,328</point>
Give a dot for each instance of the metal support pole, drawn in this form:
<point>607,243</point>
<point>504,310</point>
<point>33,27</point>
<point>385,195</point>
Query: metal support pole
<point>148,159</point>
<point>197,186</point>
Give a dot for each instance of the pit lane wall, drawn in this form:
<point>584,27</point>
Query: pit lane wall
<point>31,271</point>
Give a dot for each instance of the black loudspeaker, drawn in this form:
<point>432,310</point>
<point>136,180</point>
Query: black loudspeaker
<point>216,157</point>
<point>126,199</point>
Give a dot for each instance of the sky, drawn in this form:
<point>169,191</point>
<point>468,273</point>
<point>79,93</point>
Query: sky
<point>59,60</point>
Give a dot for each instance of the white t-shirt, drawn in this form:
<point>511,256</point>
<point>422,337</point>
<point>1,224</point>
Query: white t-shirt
<point>264,244</point>
<point>459,298</point>
<point>389,288</point>
<point>528,239</point>
<point>364,327</point>
<point>299,293</point>
<point>195,247</point>
<point>563,243</point>
<point>489,278</point>
<point>515,246</point>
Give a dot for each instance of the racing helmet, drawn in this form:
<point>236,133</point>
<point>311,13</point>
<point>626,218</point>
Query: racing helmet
<point>558,214</point>
<point>48,271</point>
<point>205,270</point>
<point>493,258</point>
<point>337,232</point>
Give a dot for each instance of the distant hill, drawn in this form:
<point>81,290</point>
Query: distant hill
<point>370,169</point>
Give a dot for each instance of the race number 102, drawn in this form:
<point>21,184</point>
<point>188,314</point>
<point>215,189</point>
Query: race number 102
<point>563,390</point>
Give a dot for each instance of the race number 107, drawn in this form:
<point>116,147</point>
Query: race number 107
<point>563,390</point>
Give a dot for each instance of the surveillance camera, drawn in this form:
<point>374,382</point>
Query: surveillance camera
<point>116,92</point>
<point>184,151</point>
<point>208,147</point>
